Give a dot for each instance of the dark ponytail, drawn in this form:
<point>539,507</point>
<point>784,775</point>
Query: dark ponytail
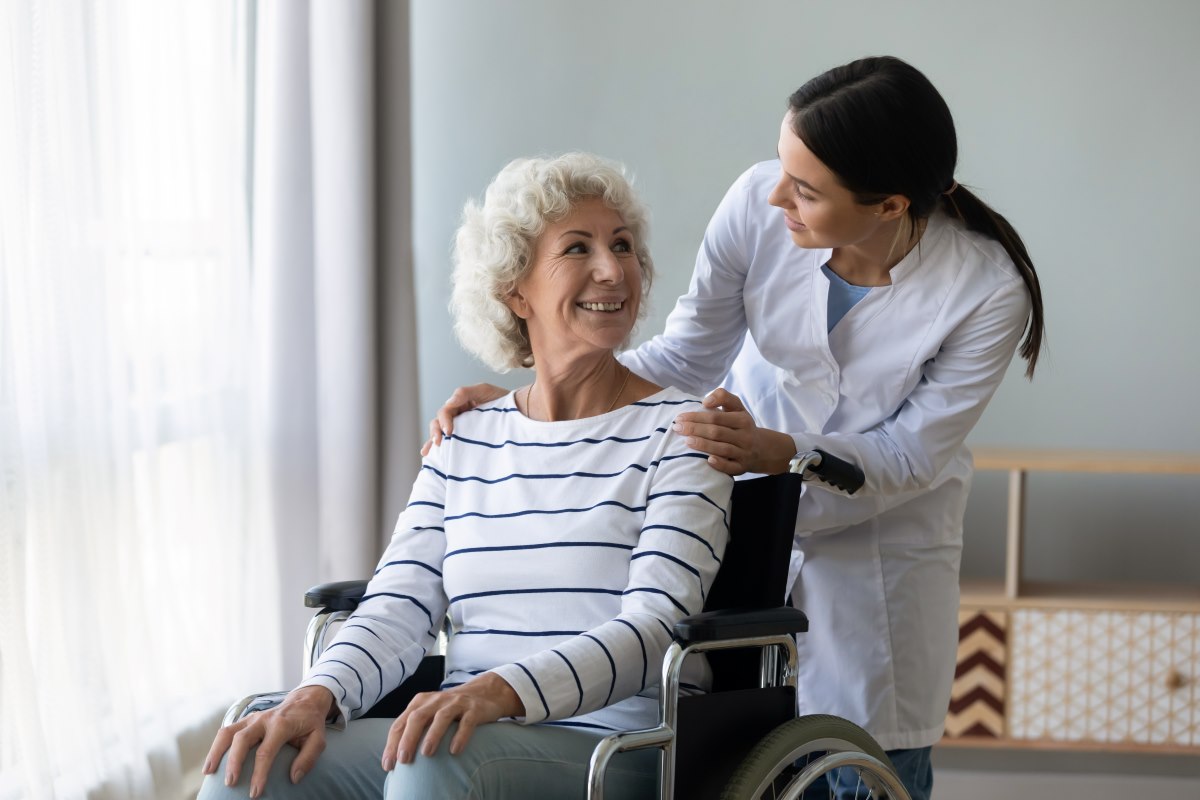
<point>978,216</point>
<point>883,129</point>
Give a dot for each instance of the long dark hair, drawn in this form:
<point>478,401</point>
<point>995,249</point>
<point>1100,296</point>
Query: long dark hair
<point>883,129</point>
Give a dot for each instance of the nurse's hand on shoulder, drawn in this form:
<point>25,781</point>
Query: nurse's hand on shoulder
<point>299,721</point>
<point>734,443</point>
<point>464,399</point>
<point>481,700</point>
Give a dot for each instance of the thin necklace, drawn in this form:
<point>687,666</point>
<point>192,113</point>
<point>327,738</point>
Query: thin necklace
<point>620,391</point>
<point>611,406</point>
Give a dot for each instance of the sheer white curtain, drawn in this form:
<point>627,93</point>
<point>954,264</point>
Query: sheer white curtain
<point>133,556</point>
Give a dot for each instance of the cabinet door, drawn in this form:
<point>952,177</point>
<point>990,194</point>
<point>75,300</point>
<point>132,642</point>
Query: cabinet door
<point>977,698</point>
<point>1105,676</point>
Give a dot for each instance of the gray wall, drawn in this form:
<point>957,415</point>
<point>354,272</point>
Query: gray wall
<point>1077,119</point>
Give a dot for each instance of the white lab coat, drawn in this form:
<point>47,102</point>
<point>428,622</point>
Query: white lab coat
<point>895,387</point>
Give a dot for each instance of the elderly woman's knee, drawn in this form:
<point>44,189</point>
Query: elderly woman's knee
<point>507,761</point>
<point>214,787</point>
<point>348,768</point>
<point>428,777</point>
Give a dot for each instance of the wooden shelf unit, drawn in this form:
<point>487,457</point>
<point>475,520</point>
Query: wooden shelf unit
<point>1019,463</point>
<point>1071,665</point>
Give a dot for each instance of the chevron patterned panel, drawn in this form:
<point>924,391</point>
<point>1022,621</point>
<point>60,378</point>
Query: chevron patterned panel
<point>977,699</point>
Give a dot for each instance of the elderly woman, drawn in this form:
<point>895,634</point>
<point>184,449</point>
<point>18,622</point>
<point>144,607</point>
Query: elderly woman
<point>564,528</point>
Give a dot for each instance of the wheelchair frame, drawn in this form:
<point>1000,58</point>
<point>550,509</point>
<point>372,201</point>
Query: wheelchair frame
<point>770,629</point>
<point>662,736</point>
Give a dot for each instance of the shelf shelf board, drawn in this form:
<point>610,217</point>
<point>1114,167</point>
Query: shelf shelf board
<point>984,743</point>
<point>1059,460</point>
<point>989,593</point>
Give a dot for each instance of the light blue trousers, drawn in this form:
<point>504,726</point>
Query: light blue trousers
<point>503,761</point>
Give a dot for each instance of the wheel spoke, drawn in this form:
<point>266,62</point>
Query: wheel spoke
<point>784,765</point>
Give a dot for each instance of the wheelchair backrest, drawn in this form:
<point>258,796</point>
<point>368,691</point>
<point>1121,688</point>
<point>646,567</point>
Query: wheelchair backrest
<point>754,571</point>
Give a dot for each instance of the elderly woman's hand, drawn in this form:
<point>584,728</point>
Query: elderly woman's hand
<point>734,443</point>
<point>485,699</point>
<point>464,399</point>
<point>299,721</point>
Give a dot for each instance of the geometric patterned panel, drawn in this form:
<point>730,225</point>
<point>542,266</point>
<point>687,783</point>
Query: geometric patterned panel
<point>977,698</point>
<point>1105,676</point>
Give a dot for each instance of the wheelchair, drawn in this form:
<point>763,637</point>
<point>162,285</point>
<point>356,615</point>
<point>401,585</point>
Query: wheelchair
<point>741,741</point>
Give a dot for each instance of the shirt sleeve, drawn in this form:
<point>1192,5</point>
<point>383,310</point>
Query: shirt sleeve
<point>400,615</point>
<point>706,328</point>
<point>902,456</point>
<point>671,569</point>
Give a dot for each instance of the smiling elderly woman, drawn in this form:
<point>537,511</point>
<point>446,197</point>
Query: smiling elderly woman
<point>563,527</point>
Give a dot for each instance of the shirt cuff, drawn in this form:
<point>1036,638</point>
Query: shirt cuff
<point>803,442</point>
<point>526,689</point>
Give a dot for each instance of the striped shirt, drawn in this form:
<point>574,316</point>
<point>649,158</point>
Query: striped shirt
<point>563,553</point>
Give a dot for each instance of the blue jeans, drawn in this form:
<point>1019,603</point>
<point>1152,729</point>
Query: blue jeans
<point>913,766</point>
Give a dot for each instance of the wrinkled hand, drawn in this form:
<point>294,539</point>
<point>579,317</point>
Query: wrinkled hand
<point>299,721</point>
<point>734,443</point>
<point>464,399</point>
<point>485,699</point>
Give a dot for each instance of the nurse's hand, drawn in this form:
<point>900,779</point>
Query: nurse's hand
<point>485,699</point>
<point>734,443</point>
<point>464,399</point>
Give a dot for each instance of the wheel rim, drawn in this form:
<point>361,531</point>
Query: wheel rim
<point>789,759</point>
<point>873,776</point>
<point>832,750</point>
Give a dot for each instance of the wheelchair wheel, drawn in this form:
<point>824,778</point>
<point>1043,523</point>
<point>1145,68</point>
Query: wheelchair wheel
<point>799,751</point>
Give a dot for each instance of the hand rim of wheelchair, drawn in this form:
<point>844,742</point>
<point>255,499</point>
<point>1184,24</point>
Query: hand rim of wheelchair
<point>843,743</point>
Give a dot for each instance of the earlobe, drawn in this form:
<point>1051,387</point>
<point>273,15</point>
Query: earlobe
<point>893,207</point>
<point>516,303</point>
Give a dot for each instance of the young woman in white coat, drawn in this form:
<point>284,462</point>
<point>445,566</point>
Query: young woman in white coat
<point>883,303</point>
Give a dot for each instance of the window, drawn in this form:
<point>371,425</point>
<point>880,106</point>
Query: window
<point>128,535</point>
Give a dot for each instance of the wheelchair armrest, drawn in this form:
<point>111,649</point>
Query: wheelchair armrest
<point>337,596</point>
<point>735,623</point>
<point>251,703</point>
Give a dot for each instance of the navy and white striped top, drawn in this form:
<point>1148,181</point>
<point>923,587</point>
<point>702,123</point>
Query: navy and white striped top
<point>563,552</point>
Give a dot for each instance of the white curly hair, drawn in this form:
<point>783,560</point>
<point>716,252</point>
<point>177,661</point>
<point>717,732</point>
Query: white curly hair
<point>494,246</point>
